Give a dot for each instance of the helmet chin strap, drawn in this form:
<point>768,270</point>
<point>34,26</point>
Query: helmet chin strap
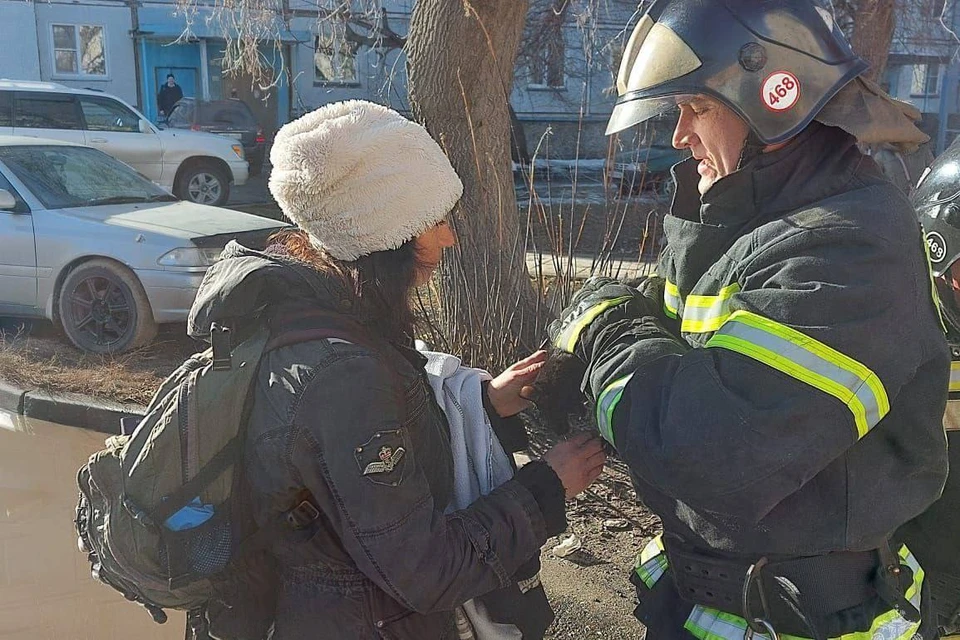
<point>752,148</point>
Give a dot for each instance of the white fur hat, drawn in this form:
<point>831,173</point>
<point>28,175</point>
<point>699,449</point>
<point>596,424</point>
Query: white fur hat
<point>359,178</point>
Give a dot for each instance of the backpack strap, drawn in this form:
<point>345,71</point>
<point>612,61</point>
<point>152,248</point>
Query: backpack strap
<point>318,324</point>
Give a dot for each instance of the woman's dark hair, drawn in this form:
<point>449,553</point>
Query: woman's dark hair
<point>380,282</point>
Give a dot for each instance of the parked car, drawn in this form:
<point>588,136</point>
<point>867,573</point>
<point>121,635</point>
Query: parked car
<point>196,166</point>
<point>91,244</point>
<point>646,168</point>
<point>230,118</point>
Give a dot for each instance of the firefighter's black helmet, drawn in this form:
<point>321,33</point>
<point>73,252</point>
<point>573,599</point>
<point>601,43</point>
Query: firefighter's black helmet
<point>775,63</point>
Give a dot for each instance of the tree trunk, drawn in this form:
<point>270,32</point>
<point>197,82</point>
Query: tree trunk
<point>461,58</point>
<point>873,24</point>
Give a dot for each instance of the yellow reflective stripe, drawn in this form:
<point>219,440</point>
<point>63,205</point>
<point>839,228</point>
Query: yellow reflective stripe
<point>567,340</point>
<point>671,299</point>
<point>703,314</point>
<point>652,548</point>
<point>711,624</point>
<point>809,361</point>
<point>607,404</point>
<point>955,376</point>
<point>933,286</point>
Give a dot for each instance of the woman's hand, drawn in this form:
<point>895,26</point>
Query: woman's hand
<point>577,462</point>
<point>508,392</point>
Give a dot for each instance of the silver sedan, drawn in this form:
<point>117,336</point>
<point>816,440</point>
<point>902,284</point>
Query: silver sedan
<point>90,243</point>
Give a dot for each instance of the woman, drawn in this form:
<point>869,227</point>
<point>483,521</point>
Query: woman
<point>344,434</point>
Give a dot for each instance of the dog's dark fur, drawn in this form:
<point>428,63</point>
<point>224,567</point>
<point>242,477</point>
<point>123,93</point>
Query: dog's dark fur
<point>557,390</point>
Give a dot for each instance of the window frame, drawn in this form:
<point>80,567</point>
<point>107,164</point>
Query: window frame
<point>925,91</point>
<point>105,76</point>
<point>105,100</point>
<point>19,96</point>
<point>344,47</point>
<point>545,61</point>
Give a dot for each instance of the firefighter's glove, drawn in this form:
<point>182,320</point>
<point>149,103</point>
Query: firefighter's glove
<point>598,304</point>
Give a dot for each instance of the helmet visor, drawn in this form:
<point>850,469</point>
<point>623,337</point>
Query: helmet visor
<point>654,57</point>
<point>630,112</point>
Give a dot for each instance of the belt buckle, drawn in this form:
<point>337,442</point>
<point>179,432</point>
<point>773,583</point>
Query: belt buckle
<point>765,628</point>
<point>756,625</point>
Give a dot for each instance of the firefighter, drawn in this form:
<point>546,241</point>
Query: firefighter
<point>935,535</point>
<point>777,389</point>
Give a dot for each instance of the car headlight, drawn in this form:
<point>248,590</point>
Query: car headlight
<point>238,149</point>
<point>190,257</point>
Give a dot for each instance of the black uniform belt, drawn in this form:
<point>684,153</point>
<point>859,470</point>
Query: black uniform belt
<point>945,598</point>
<point>790,594</point>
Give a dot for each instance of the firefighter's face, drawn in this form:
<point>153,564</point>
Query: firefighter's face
<point>430,245</point>
<point>714,135</point>
<point>952,280</point>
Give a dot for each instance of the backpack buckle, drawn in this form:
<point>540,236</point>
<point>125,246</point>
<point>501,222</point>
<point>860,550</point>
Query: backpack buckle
<point>220,342</point>
<point>302,515</point>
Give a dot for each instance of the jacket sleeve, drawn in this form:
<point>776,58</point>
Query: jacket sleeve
<point>815,347</point>
<point>386,517</point>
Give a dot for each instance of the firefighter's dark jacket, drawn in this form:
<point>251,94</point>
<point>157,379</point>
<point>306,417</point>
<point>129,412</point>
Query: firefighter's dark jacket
<point>738,419</point>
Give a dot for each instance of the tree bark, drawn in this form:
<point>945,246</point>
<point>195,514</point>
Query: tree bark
<point>873,24</point>
<point>461,58</point>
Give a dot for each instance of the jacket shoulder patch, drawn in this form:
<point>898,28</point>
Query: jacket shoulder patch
<point>382,458</point>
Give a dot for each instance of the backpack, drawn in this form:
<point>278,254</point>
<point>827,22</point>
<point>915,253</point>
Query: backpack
<point>163,515</point>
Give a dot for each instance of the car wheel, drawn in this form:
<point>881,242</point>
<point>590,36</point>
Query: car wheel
<point>102,308</point>
<point>662,187</point>
<point>204,184</point>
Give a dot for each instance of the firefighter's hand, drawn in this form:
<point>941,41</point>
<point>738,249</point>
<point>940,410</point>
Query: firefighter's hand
<point>577,462</point>
<point>599,302</point>
<point>509,392</point>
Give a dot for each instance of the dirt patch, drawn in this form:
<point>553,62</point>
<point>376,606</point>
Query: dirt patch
<point>590,589</point>
<point>36,356</point>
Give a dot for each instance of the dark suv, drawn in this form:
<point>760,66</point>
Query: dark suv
<point>231,118</point>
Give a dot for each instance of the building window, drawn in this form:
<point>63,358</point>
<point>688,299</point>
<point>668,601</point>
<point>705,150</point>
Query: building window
<point>548,66</point>
<point>78,50</point>
<point>926,80</point>
<point>334,57</point>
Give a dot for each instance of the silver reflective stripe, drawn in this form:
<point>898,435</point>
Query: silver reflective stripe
<point>954,376</point>
<point>704,314</point>
<point>567,340</point>
<point>710,624</point>
<point>652,570</point>
<point>809,361</point>
<point>671,299</point>
<point>607,404</point>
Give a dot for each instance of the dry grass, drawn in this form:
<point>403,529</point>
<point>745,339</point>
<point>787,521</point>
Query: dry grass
<point>40,359</point>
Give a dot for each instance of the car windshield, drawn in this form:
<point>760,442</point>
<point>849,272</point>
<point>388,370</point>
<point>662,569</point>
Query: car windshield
<point>62,176</point>
<point>232,113</point>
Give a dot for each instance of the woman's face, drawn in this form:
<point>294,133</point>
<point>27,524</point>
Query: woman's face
<point>430,245</point>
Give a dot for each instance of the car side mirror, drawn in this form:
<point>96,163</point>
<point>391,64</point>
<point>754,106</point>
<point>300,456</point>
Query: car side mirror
<point>7,201</point>
<point>145,126</point>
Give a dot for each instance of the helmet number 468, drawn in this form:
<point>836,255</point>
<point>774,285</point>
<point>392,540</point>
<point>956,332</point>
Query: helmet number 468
<point>780,91</point>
